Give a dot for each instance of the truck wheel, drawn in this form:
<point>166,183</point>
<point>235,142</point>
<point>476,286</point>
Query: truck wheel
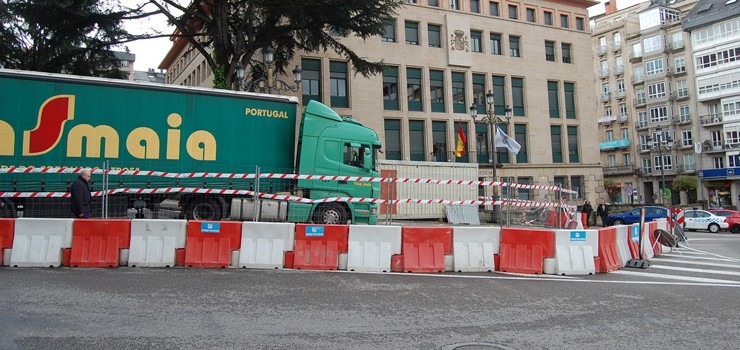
<point>207,210</point>
<point>330,214</point>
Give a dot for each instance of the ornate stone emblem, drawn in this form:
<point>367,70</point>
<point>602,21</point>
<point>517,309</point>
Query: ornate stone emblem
<point>459,41</point>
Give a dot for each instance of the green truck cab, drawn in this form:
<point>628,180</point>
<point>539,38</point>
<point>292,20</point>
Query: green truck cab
<point>55,120</point>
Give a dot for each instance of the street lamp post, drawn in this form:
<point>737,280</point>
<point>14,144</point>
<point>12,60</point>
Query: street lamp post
<point>659,135</point>
<point>267,82</point>
<point>490,120</point>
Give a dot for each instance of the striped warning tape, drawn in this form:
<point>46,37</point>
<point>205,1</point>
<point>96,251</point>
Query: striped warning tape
<point>68,170</point>
<point>195,190</point>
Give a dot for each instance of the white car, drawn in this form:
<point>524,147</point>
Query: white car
<point>704,220</point>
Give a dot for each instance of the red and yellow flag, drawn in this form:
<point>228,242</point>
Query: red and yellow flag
<point>461,141</point>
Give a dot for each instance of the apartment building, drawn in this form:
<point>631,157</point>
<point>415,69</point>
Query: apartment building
<point>648,116</point>
<point>444,56</point>
<point>714,27</point>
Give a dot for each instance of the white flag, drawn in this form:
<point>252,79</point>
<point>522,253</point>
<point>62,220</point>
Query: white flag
<point>503,140</point>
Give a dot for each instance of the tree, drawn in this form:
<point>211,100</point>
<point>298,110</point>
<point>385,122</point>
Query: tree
<point>63,36</point>
<point>684,183</point>
<point>230,32</point>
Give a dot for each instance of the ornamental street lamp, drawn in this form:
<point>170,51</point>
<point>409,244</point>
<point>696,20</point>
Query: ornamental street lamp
<point>659,136</point>
<point>491,120</point>
<point>267,82</point>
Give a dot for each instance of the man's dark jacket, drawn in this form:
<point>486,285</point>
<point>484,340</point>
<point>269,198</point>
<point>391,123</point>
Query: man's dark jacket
<point>81,198</point>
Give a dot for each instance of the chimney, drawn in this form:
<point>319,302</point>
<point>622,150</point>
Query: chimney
<point>610,7</point>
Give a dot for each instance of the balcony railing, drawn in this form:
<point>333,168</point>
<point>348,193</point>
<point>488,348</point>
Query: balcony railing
<point>621,94</point>
<point>601,50</point>
<point>638,79</point>
<point>618,70</point>
<point>641,125</point>
<point>636,57</point>
<point>712,119</point>
<point>617,46</point>
<point>604,73</point>
<point>682,94</point>
<point>622,118</point>
<point>675,45</point>
<point>683,119</point>
<point>640,102</point>
<point>618,170</point>
<point>605,97</point>
<point>607,120</point>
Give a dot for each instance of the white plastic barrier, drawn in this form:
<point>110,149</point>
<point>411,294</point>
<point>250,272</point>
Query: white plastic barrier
<point>264,244</point>
<point>575,251</point>
<point>646,245</point>
<point>662,224</point>
<point>623,248</point>
<point>39,242</point>
<point>153,242</point>
<point>371,247</point>
<point>474,247</point>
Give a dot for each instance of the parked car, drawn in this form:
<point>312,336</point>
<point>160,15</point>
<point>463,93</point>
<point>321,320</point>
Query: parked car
<point>633,216</point>
<point>704,220</point>
<point>731,216</point>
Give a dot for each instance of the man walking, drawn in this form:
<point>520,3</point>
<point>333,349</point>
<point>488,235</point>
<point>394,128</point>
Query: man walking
<point>81,195</point>
<point>602,211</point>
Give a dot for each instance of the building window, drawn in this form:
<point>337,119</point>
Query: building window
<point>416,140</point>
<point>666,163</point>
<point>531,16</point>
<point>564,21</point>
<point>552,97</point>
<point>514,46</point>
<point>610,135</point>
<point>389,31</point>
<point>412,33</point>
<point>611,161</point>
<point>525,193</point>
<point>390,88</point>
<point>475,41</point>
<point>479,92</point>
<point>520,136</point>
<point>459,104</point>
<point>566,53</point>
<point>338,82</point>
<point>517,93</point>
<point>493,8</point>
<point>392,139</point>
<point>439,141</point>
<point>576,184</point>
<point>557,143</point>
<point>548,18</point>
<point>626,159</point>
<point>573,144</point>
<point>682,88</point>
<point>680,64</point>
<point>550,51</point>
<point>580,23</point>
<point>475,6</point>
<point>433,3</point>
<point>570,100</point>
<point>502,153</point>
<point>434,35</point>
<point>499,95</point>
<point>413,89</point>
<point>653,43</point>
<point>482,144</point>
<point>654,67</point>
<point>658,114</point>
<point>436,90</point>
<point>656,90</point>
<point>684,113</point>
<point>495,44</point>
<point>455,4</point>
<point>513,12</point>
<point>686,138</point>
<point>311,80</point>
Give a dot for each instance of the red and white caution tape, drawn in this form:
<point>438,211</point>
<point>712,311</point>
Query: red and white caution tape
<point>67,170</point>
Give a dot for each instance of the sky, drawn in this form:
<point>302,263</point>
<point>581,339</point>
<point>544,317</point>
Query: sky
<point>149,53</point>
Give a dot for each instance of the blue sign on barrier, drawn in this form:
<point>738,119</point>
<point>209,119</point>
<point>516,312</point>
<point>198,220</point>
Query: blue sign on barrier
<point>635,234</point>
<point>314,231</point>
<point>577,236</point>
<point>210,227</point>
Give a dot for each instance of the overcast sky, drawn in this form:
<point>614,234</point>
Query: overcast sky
<point>149,53</point>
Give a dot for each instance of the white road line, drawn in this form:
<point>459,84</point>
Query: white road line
<point>696,258</point>
<point>712,254</point>
<point>694,282</point>
<point>689,269</point>
<point>679,278</point>
<point>682,251</point>
<point>662,260</point>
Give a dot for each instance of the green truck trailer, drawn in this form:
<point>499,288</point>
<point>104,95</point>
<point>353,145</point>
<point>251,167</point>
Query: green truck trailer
<point>63,121</point>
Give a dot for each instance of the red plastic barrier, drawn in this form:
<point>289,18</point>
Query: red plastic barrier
<point>657,248</point>
<point>7,232</point>
<point>608,257</point>
<point>552,219</point>
<point>209,243</point>
<point>634,246</point>
<point>66,256</point>
<point>96,243</point>
<point>289,259</point>
<point>423,249</point>
<point>180,257</point>
<point>317,247</point>
<point>396,263</point>
<point>584,220</point>
<point>523,250</point>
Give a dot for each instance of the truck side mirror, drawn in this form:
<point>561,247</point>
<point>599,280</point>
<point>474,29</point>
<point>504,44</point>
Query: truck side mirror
<point>368,158</point>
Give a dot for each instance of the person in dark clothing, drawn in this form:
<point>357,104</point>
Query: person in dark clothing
<point>81,197</point>
<point>588,209</point>
<point>602,211</point>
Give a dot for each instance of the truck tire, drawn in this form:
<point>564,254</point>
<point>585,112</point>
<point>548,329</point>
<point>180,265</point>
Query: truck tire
<point>204,209</point>
<point>331,214</point>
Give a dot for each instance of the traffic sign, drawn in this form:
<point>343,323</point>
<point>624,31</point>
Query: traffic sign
<point>667,193</point>
<point>629,191</point>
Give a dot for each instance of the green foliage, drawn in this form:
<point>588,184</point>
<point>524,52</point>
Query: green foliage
<point>229,33</point>
<point>684,183</point>
<point>609,184</point>
<point>219,80</point>
<point>62,36</point>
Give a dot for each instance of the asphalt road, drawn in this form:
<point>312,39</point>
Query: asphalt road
<point>686,300</point>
